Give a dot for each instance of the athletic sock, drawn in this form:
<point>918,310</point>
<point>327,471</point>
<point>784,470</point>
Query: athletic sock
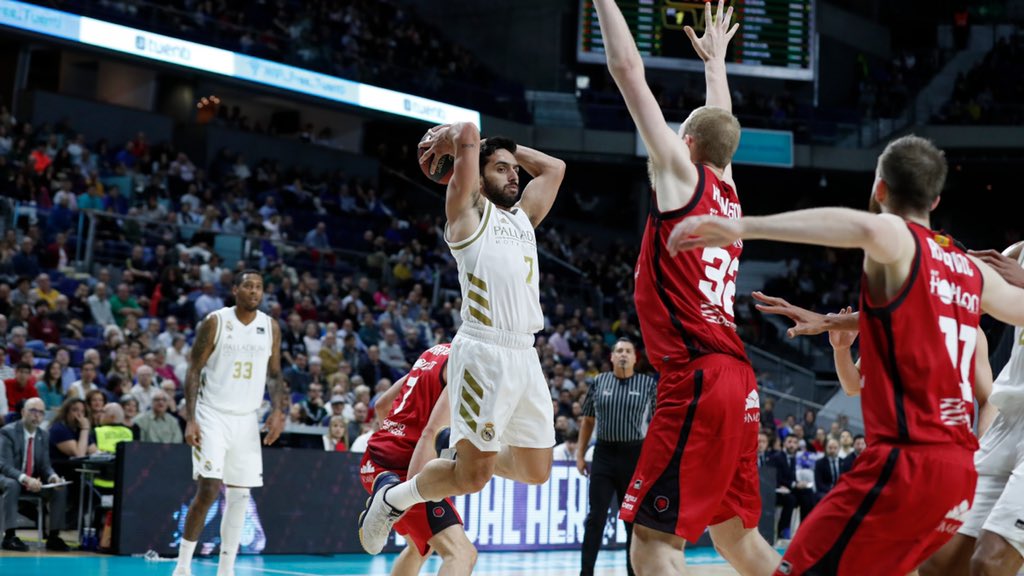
<point>232,520</point>
<point>403,496</point>
<point>185,551</point>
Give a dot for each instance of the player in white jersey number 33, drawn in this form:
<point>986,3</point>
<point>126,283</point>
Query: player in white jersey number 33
<point>236,355</point>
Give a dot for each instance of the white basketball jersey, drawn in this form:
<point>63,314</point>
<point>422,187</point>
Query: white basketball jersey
<point>1008,388</point>
<point>498,272</point>
<point>235,376</point>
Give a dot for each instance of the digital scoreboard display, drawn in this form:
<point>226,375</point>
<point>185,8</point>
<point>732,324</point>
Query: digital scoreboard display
<point>775,38</point>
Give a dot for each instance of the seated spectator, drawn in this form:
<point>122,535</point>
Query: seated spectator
<point>131,411</point>
<point>145,388</point>
<point>100,307</point>
<point>25,465</point>
<point>391,352</point>
<point>330,355</point>
<point>45,292</point>
<point>297,375</point>
<point>208,302</point>
<point>566,451</point>
<point>50,387</point>
<point>42,327</point>
<point>16,344</point>
<point>335,439</point>
<point>373,369</point>
<point>313,410</point>
<point>71,432</point>
<point>124,304</point>
<point>21,387</point>
<point>845,443</point>
<point>112,430</point>
<point>859,444</point>
<point>360,416</point>
<point>86,383</point>
<point>159,425</point>
<point>95,400</point>
<point>827,470</point>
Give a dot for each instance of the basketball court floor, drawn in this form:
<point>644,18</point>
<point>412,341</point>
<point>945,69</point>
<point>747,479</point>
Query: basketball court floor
<point>702,562</point>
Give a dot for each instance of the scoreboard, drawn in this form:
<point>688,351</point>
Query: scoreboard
<point>775,39</point>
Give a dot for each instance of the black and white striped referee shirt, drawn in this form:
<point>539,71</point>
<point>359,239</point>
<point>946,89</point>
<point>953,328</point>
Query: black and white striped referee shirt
<point>621,407</point>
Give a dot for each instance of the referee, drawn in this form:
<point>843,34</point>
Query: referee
<point>619,405</point>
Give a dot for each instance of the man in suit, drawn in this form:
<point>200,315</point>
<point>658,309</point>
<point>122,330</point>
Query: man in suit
<point>859,444</point>
<point>764,455</point>
<point>790,492</point>
<point>24,463</point>
<point>827,470</point>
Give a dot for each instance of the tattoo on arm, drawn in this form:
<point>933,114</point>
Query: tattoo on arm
<point>201,350</point>
<point>275,380</point>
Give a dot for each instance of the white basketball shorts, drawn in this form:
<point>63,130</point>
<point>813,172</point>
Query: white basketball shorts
<point>229,449</point>
<point>498,392</point>
<point>999,498</point>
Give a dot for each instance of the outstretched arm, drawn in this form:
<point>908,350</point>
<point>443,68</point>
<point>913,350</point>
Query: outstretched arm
<point>278,391</point>
<point>1005,264</point>
<point>884,238</point>
<point>540,193</point>
<point>805,322</point>
<point>712,48</point>
<point>998,298</point>
<point>201,350</point>
<point>668,153</point>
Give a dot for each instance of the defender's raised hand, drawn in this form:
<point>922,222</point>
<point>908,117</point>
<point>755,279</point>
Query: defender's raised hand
<point>717,33</point>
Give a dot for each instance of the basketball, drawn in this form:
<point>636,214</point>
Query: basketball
<point>443,173</point>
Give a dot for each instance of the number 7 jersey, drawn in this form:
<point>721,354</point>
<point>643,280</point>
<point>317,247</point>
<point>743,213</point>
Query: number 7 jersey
<point>685,304</point>
<point>498,271</point>
<point>917,350</point>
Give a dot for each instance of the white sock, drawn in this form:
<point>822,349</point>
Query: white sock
<point>404,496</point>
<point>232,519</point>
<point>185,551</point>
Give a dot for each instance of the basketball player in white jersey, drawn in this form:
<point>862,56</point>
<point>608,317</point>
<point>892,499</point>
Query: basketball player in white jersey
<point>236,354</point>
<point>991,540</point>
<point>502,419</point>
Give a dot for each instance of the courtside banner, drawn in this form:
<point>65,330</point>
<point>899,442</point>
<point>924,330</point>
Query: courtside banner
<point>310,504</point>
<point>178,52</point>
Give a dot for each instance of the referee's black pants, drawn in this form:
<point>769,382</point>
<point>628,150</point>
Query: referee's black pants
<point>612,469</point>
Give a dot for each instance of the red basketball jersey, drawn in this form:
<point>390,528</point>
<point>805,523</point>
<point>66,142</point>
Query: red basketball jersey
<point>685,304</point>
<point>917,351</point>
<point>392,446</point>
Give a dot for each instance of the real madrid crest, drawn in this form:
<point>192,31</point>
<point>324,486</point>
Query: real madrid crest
<point>231,326</point>
<point>488,432</point>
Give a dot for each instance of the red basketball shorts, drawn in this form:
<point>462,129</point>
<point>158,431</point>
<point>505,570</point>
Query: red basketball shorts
<point>894,509</point>
<point>421,522</point>
<point>698,464</point>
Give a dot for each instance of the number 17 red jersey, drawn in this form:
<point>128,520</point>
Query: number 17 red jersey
<point>392,446</point>
<point>917,351</point>
<point>685,304</point>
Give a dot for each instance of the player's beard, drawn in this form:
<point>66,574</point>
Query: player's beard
<point>500,195</point>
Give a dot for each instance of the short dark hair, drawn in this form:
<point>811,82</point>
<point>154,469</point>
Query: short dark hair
<point>572,435</point>
<point>914,170</point>
<point>492,145</point>
<point>23,366</point>
<point>624,340</point>
<point>859,437</point>
<point>240,277</point>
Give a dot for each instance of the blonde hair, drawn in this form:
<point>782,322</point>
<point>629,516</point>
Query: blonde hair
<point>716,135</point>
